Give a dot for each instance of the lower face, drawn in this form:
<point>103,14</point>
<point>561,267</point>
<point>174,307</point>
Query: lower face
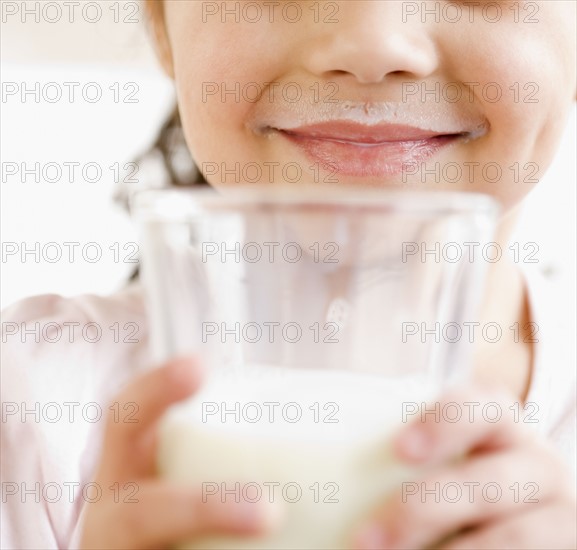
<point>466,96</point>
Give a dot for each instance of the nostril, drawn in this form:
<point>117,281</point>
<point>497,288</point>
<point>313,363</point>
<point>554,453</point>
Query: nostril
<point>340,72</point>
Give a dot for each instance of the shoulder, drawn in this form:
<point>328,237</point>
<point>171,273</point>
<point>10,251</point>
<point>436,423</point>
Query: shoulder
<point>70,356</point>
<point>552,309</point>
<point>128,300</point>
<point>553,393</point>
<point>50,332</point>
<point>66,349</point>
<point>63,360</point>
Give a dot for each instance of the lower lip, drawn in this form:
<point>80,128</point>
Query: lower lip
<point>375,160</point>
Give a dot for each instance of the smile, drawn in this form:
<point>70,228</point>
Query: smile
<point>356,150</point>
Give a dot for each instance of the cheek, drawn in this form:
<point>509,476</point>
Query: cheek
<point>212,109</point>
<point>530,123</point>
<point>220,73</point>
<point>524,80</point>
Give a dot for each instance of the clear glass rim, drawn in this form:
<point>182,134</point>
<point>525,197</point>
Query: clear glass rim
<point>171,204</point>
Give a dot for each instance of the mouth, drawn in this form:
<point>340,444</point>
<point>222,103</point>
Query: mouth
<point>368,139</point>
<point>357,150</point>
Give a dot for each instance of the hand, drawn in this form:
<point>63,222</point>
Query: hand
<point>153,513</point>
<point>515,492</point>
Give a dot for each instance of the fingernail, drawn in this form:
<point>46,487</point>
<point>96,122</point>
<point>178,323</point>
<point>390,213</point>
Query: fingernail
<point>371,537</point>
<point>414,443</point>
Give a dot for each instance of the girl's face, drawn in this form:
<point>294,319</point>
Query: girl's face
<point>447,95</point>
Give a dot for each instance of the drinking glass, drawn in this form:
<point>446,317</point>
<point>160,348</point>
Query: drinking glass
<point>326,317</point>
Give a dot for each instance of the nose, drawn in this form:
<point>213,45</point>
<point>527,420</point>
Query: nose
<point>369,41</point>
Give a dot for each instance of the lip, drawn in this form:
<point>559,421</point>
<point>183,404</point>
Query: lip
<point>359,150</point>
<point>367,138</point>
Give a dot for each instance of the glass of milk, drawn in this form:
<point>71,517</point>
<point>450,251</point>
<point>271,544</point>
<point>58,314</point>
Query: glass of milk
<point>327,317</point>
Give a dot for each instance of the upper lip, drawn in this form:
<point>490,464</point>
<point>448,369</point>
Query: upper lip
<point>353,132</point>
<point>368,122</point>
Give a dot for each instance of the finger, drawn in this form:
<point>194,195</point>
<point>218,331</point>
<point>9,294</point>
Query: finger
<point>472,493</point>
<point>540,529</point>
<point>464,421</point>
<point>129,439</point>
<point>160,515</point>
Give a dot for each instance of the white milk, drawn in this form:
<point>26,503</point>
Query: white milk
<point>325,470</point>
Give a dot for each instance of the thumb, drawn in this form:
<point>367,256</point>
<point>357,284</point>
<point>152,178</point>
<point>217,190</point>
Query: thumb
<point>130,431</point>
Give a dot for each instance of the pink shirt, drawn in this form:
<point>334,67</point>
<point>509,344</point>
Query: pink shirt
<point>59,378</point>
